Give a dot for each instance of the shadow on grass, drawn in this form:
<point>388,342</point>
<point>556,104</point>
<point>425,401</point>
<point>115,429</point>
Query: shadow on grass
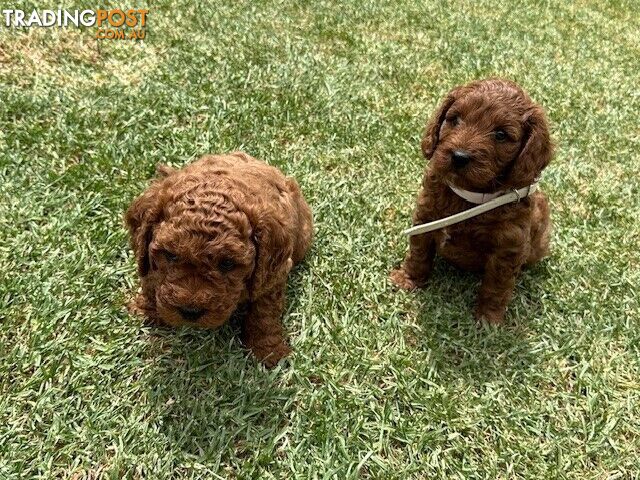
<point>211,397</point>
<point>213,400</point>
<point>463,348</point>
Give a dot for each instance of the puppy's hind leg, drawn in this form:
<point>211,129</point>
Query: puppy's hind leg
<point>540,230</point>
<point>304,223</point>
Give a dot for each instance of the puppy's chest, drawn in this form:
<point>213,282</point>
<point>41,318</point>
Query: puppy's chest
<point>450,238</point>
<point>455,237</point>
<point>473,234</point>
<point>444,238</point>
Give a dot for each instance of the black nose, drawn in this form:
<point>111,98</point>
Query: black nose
<point>190,313</point>
<point>460,158</point>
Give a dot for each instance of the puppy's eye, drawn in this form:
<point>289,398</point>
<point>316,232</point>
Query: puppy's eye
<point>454,120</point>
<point>171,257</point>
<point>500,135</point>
<point>226,265</point>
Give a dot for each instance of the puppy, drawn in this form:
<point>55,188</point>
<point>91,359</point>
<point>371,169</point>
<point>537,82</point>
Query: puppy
<point>221,233</point>
<point>487,136</point>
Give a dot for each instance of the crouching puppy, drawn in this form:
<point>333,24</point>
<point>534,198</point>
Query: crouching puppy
<point>487,137</point>
<point>220,233</point>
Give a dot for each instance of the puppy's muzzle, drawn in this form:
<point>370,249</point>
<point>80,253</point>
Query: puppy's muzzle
<point>460,158</point>
<point>191,314</point>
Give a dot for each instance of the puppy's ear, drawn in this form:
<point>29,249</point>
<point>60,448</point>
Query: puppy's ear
<point>274,249</point>
<point>536,151</point>
<point>432,131</point>
<point>140,218</point>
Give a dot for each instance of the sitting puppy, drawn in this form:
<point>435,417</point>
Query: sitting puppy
<point>221,233</point>
<point>486,137</point>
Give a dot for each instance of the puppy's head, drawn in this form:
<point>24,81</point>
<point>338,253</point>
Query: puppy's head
<point>488,135</point>
<point>197,250</point>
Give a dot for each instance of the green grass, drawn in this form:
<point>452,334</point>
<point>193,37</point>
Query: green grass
<point>382,384</point>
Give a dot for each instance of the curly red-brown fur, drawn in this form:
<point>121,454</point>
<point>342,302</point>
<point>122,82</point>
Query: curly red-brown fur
<point>500,242</point>
<point>221,232</point>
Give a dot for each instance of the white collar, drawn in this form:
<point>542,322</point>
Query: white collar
<point>475,197</point>
<point>486,201</point>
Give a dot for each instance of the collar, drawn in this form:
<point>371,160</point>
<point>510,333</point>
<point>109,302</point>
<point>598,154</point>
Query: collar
<point>475,197</point>
<point>486,201</point>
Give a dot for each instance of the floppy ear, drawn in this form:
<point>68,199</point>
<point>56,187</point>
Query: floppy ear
<point>536,151</point>
<point>274,249</point>
<point>140,218</point>
<point>432,131</point>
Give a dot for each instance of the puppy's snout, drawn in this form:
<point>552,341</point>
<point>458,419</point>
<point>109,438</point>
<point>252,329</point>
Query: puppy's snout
<point>460,158</point>
<point>191,314</point>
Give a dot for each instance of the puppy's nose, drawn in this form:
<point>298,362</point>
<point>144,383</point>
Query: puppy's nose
<point>191,313</point>
<point>460,158</point>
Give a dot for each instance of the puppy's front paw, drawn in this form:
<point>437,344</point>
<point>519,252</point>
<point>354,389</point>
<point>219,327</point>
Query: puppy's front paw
<point>270,355</point>
<point>401,279</point>
<point>486,315</point>
<point>139,305</point>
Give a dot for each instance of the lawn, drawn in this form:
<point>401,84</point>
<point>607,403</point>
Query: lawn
<point>382,384</point>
